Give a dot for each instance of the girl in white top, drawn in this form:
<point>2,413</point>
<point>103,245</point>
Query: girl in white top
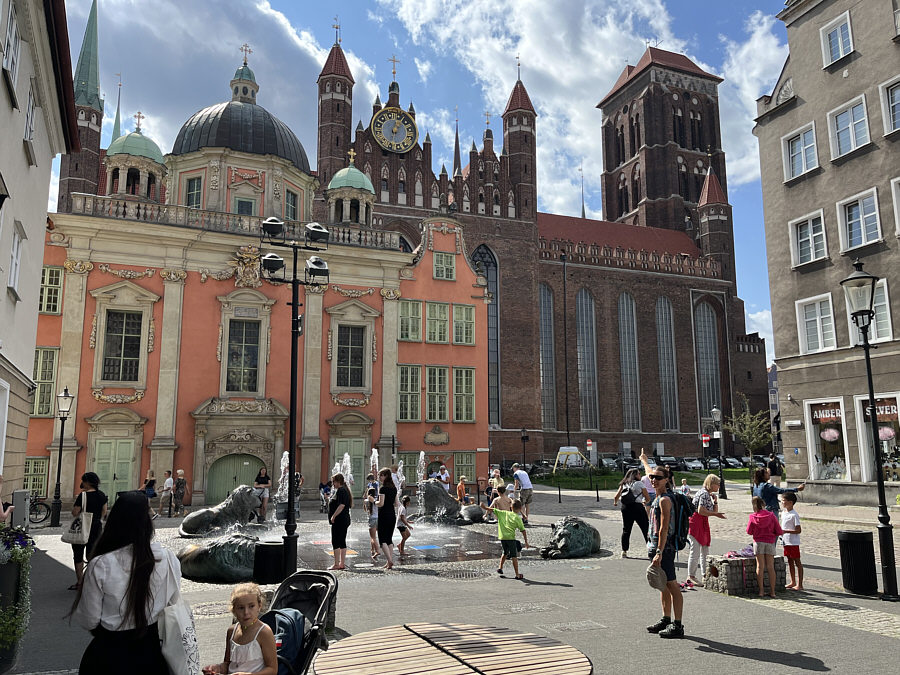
<point>250,644</point>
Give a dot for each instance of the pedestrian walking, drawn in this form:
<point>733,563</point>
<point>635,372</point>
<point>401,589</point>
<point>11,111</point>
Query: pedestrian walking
<point>763,489</point>
<point>149,489</point>
<point>631,496</point>
<point>179,492</point>
<point>387,516</point>
<point>339,517</point>
<point>790,525</point>
<point>507,524</point>
<point>775,468</point>
<point>525,490</point>
<point>92,500</point>
<point>165,497</point>
<point>763,526</point>
<point>706,504</point>
<point>249,642</point>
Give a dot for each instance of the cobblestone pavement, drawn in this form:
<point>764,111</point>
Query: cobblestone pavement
<point>822,607</point>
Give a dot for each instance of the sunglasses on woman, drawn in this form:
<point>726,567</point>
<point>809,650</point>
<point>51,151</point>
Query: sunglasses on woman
<point>655,477</point>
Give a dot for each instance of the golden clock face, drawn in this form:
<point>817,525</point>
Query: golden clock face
<point>394,130</point>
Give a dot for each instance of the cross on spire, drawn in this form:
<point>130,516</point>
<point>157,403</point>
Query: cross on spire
<point>245,48</point>
<point>352,154</point>
<point>119,75</point>
<point>518,67</point>
<point>337,30</point>
<point>394,60</point>
<point>487,117</point>
<point>139,116</point>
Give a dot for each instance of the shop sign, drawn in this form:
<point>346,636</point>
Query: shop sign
<point>885,409</point>
<point>825,413</point>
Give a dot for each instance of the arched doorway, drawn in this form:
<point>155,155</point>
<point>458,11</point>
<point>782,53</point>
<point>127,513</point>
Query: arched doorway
<point>228,472</point>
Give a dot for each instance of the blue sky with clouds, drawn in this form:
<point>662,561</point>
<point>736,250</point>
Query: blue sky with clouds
<point>456,57</point>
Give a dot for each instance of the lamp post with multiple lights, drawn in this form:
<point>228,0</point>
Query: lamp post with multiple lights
<point>859,290</point>
<point>717,421</point>
<point>63,406</point>
<point>313,238</point>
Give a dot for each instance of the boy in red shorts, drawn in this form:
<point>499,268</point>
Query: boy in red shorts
<point>790,523</point>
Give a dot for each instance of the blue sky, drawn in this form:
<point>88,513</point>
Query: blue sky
<point>457,57</point>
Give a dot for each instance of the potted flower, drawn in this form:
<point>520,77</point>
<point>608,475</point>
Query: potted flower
<point>16,547</point>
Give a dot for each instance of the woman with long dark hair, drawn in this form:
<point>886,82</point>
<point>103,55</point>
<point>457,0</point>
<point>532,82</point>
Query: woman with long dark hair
<point>124,591</point>
<point>632,495</point>
<point>763,489</point>
<point>94,502</point>
<point>261,485</point>
<point>387,516</point>
<point>339,516</point>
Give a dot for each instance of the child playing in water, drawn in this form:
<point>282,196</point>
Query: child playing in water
<point>249,644</point>
<point>507,524</point>
<point>372,519</point>
<point>403,526</point>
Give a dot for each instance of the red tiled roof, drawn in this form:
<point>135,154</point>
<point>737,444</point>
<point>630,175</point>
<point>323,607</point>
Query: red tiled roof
<point>712,192</point>
<point>602,232</point>
<point>658,57</point>
<point>518,99</point>
<point>336,64</point>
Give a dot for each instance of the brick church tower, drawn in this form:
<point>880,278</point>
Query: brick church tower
<point>80,171</point>
<point>519,144</point>
<point>335,85</point>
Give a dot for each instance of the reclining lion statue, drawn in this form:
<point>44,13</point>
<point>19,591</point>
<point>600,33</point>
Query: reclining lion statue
<point>571,537</point>
<point>226,560</point>
<point>238,507</point>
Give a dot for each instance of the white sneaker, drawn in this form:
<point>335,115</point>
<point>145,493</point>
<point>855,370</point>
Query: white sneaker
<point>624,554</point>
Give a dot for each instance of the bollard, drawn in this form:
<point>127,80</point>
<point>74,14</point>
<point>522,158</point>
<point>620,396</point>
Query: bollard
<point>268,562</point>
<point>22,503</point>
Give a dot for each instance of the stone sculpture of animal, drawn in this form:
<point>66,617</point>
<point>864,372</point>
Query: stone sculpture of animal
<point>237,508</point>
<point>225,560</point>
<point>438,502</point>
<point>571,537</point>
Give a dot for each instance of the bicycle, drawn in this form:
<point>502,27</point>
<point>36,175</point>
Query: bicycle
<point>38,510</point>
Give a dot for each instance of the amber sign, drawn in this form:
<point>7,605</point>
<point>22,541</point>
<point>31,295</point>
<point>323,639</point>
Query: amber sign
<point>823,413</point>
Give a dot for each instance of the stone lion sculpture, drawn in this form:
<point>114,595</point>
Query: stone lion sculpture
<point>225,560</point>
<point>571,537</point>
<point>237,508</point>
<point>439,504</point>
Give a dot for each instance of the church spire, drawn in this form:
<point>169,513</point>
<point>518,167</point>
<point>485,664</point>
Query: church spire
<point>457,164</point>
<point>117,125</point>
<point>712,192</point>
<point>87,72</point>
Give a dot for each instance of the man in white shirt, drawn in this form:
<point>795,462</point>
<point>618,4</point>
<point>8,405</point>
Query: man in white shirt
<point>525,489</point>
<point>444,477</point>
<point>165,497</point>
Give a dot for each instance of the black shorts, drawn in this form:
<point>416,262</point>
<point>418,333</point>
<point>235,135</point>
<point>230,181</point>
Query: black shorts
<point>510,548</point>
<point>668,563</point>
<point>401,528</point>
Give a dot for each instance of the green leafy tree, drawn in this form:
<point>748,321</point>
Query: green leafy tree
<point>752,430</point>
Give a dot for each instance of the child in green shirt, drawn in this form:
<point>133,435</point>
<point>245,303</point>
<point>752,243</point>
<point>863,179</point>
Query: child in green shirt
<point>507,524</point>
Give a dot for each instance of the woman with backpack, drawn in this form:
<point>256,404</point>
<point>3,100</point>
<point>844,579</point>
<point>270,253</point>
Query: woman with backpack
<point>632,495</point>
<point>706,504</point>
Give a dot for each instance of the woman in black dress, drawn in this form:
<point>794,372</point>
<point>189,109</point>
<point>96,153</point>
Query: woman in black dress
<point>339,517</point>
<point>261,485</point>
<point>94,502</point>
<point>387,515</point>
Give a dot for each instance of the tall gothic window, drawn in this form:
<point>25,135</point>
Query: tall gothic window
<point>587,358</point>
<point>683,181</point>
<point>624,206</point>
<point>678,126</point>
<point>696,131</point>
<point>488,264</point>
<point>668,379</point>
<point>707,340</point>
<point>628,358</point>
<point>547,354</point>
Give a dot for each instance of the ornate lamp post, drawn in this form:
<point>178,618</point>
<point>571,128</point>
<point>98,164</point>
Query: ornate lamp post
<point>313,238</point>
<point>63,406</point>
<point>859,291</point>
<point>717,421</point>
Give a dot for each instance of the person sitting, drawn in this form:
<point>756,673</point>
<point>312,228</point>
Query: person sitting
<point>461,495</point>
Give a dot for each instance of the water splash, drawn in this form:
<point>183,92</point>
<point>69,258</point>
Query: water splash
<point>420,483</point>
<point>373,462</point>
<point>347,468</point>
<point>400,471</point>
<point>281,495</point>
<point>420,468</point>
<point>336,469</point>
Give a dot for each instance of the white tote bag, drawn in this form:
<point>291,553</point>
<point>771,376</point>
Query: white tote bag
<point>79,530</point>
<point>176,632</point>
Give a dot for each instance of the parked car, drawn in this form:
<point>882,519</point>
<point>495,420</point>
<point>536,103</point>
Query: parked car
<point>712,463</point>
<point>675,463</point>
<point>746,461</point>
<point>733,462</point>
<point>693,464</point>
<point>608,463</point>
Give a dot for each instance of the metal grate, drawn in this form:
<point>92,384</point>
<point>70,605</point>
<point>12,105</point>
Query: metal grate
<point>464,575</point>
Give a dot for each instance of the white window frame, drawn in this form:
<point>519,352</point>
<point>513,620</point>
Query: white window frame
<point>15,258</point>
<point>444,265</point>
<point>823,38</point>
<point>883,93</point>
<point>412,394</point>
<point>187,192</point>
<point>464,324</point>
<point>793,226</point>
<point>11,57</point>
<point>28,134</point>
<point>801,324</point>
<point>413,327</point>
<point>832,132</point>
<point>895,193</point>
<point>352,313</point>
<point>786,152</point>
<point>811,429</point>
<point>843,233</point>
<point>874,335</point>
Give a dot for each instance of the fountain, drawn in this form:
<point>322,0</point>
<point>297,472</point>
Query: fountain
<point>281,495</point>
<point>373,462</point>
<point>420,481</point>
<point>347,469</point>
<point>336,469</point>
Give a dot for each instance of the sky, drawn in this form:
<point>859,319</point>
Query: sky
<point>457,58</point>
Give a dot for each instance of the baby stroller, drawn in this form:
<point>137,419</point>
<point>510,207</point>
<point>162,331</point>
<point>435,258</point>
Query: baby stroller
<point>324,496</point>
<point>302,608</point>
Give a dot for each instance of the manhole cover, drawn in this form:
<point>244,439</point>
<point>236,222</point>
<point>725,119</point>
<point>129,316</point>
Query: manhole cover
<point>210,609</point>
<point>573,626</point>
<point>463,574</point>
<point>526,607</point>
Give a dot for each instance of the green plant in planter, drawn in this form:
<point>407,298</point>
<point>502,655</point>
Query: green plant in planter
<point>16,546</point>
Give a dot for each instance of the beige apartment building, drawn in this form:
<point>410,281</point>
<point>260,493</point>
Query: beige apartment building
<point>829,140</point>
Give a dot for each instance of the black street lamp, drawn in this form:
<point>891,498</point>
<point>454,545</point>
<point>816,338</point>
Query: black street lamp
<point>524,441</point>
<point>859,290</point>
<point>313,238</point>
<point>717,421</point>
<point>63,406</point>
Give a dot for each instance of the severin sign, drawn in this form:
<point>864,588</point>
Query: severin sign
<point>885,409</point>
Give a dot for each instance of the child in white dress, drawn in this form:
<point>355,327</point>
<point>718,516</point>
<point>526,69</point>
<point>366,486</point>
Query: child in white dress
<point>249,644</point>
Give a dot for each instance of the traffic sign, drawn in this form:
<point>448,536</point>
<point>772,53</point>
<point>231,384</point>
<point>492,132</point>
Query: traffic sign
<point>705,439</point>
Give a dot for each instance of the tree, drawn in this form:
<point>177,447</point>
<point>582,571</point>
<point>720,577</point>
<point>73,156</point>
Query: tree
<point>752,430</point>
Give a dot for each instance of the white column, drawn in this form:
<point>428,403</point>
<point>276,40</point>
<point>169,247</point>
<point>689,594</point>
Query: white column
<point>389,382</point>
<point>310,443</point>
<point>142,188</point>
<point>346,211</point>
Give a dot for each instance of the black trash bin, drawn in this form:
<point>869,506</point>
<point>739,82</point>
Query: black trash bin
<point>268,562</point>
<point>858,561</point>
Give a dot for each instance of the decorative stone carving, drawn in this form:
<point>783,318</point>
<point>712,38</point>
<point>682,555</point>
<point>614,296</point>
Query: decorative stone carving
<point>246,264</point>
<point>352,292</point>
<point>374,347</point>
<point>126,274</point>
<point>330,347</point>
<point>117,398</point>
<point>276,185</point>
<point>219,344</point>
<point>351,402</point>
<point>173,275</point>
<point>785,92</point>
<point>405,273</point>
<point>213,175</point>
<point>390,293</point>
<point>151,335</point>
<point>78,266</point>
<point>221,405</point>
<point>239,435</point>
<point>218,276</point>
<point>92,340</point>
<point>316,290</point>
<point>437,436</point>
<point>57,238</point>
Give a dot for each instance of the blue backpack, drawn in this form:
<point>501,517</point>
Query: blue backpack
<point>683,509</point>
<point>288,626</point>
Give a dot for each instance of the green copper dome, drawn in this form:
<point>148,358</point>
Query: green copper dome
<point>351,177</point>
<point>244,73</point>
<point>135,144</point>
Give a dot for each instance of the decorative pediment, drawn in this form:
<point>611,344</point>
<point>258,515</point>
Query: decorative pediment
<point>240,436</point>
<point>353,310</point>
<point>350,417</point>
<point>116,417</point>
<point>231,407</point>
<point>125,293</point>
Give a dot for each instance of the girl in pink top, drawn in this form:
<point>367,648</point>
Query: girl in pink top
<point>764,527</point>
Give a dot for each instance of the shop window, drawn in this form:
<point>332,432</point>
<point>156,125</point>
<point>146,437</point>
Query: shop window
<point>827,440</point>
<point>888,433</point>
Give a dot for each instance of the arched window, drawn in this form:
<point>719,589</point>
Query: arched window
<point>496,198</point>
<point>620,145</point>
<point>636,185</point>
<point>483,260</point>
<point>699,177</point>
<point>480,170</point>
<point>628,359</point>
<point>668,380</point>
<point>337,86</point>
<point>547,354</point>
<point>696,130</point>
<point>683,180</point>
<point>678,126</point>
<point>401,186</point>
<point>327,87</point>
<point>623,195</point>
<point>707,340</point>
<point>587,358</point>
<point>481,196</point>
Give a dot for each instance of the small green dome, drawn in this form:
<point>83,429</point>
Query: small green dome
<point>351,177</point>
<point>135,144</point>
<point>244,73</point>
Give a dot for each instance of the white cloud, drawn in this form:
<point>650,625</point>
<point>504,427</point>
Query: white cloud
<point>761,322</point>
<point>424,68</point>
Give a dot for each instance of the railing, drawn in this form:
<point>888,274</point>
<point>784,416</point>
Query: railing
<point>217,221</point>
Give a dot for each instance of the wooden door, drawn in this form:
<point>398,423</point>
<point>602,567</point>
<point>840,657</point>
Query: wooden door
<point>359,458</point>
<point>113,462</point>
<point>227,473</point>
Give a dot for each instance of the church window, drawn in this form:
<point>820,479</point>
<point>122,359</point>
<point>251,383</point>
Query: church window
<point>481,196</point>
<point>620,146</point>
<point>384,185</point>
<point>628,359</point>
<point>587,358</point>
<point>244,91</point>
<point>11,45</point>
<point>484,261</point>
<point>290,205</point>
<point>547,355</point>
<point>401,186</point>
<point>192,192</point>
<point>696,130</point>
<point>699,177</point>
<point>636,185</point>
<point>242,369</point>
<point>678,126</point>
<point>496,198</point>
<point>683,182</point>
<point>480,170</point>
<point>668,380</point>
<point>624,206</point>
<point>418,185</point>
<point>707,340</point>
